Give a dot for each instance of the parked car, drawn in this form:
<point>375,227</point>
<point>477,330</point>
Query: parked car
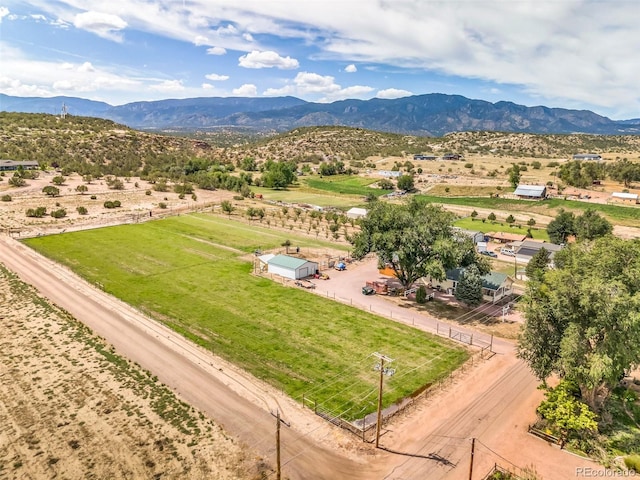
<point>367,290</point>
<point>508,251</point>
<point>489,254</point>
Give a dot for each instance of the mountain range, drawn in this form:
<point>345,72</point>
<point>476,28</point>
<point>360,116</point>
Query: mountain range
<point>423,115</point>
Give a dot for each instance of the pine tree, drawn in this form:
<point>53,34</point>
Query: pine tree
<point>469,289</point>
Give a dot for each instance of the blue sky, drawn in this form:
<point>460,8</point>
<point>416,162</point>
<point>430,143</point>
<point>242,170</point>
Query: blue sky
<point>580,54</point>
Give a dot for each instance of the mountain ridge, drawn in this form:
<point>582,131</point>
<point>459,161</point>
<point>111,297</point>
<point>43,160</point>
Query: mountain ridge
<point>432,114</point>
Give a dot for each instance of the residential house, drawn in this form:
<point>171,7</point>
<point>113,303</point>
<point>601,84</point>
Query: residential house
<point>529,248</point>
<point>587,156</point>
<point>495,285</point>
<point>11,165</point>
<point>505,237</point>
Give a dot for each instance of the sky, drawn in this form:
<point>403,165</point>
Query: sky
<point>577,54</point>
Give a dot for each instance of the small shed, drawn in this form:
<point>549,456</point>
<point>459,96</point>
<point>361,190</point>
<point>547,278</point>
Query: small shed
<point>356,212</point>
<point>474,235</point>
<point>531,192</point>
<point>623,197</point>
<point>291,267</point>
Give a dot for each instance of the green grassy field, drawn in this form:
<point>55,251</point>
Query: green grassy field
<point>181,271</point>
<point>469,224</point>
<point>345,185</point>
<point>619,215</point>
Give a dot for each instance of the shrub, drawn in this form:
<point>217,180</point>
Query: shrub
<point>633,462</point>
<point>82,210</point>
<point>536,165</point>
<point>468,165</point>
<point>238,197</point>
<point>162,205</point>
<point>421,295</point>
<point>59,213</point>
<point>17,181</point>
<point>552,164</point>
<point>6,198</point>
<point>148,192</point>
<point>93,197</point>
<point>37,212</point>
<point>111,204</point>
<point>181,196</point>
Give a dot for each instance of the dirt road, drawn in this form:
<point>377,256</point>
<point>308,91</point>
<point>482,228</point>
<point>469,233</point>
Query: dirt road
<point>493,402</point>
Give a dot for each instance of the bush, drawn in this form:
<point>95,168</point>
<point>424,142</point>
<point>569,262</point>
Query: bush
<point>82,210</point>
<point>421,295</point>
<point>148,192</point>
<point>238,197</point>
<point>93,197</point>
<point>468,165</point>
<point>181,196</point>
<point>162,205</point>
<point>6,198</point>
<point>37,212</point>
<point>59,213</point>
<point>633,462</point>
<point>112,204</point>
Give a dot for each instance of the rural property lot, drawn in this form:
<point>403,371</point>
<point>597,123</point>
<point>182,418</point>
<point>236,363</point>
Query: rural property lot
<point>502,401</point>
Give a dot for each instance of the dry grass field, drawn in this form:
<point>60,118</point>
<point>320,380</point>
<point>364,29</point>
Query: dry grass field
<point>70,407</point>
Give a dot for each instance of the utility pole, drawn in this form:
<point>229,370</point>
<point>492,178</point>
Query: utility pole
<point>383,371</point>
<point>473,448</point>
<point>278,421</point>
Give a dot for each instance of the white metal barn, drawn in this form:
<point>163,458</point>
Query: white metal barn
<point>291,267</point>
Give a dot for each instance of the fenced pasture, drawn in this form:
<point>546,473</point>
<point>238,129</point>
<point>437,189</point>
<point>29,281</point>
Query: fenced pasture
<point>191,273</point>
<point>346,185</point>
<point>619,215</point>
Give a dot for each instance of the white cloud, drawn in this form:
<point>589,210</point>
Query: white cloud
<point>86,67</point>
<point>217,78</point>
<point>104,25</point>
<point>4,11</point>
<point>267,59</point>
<point>246,90</point>
<point>200,40</point>
<point>216,51</point>
<point>351,68</point>
<point>390,93</point>
<point>322,86</point>
<point>248,37</point>
<point>168,86</point>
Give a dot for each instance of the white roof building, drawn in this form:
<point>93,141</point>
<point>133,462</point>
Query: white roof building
<point>356,212</point>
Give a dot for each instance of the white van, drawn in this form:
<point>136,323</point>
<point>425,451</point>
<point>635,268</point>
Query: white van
<point>508,251</point>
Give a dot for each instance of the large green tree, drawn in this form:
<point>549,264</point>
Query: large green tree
<point>538,264</point>
<point>562,227</point>
<point>415,238</point>
<point>583,317</point>
<point>278,175</point>
<point>591,225</point>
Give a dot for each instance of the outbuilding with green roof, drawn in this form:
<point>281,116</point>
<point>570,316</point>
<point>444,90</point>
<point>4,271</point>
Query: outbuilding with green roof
<point>291,267</point>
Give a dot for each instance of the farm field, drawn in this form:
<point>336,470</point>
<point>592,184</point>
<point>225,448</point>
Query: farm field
<point>478,225</point>
<point>618,215</point>
<point>188,272</point>
<point>71,407</point>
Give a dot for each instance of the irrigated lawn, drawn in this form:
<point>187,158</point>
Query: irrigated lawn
<point>175,270</point>
<point>345,185</point>
<point>478,225</point>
